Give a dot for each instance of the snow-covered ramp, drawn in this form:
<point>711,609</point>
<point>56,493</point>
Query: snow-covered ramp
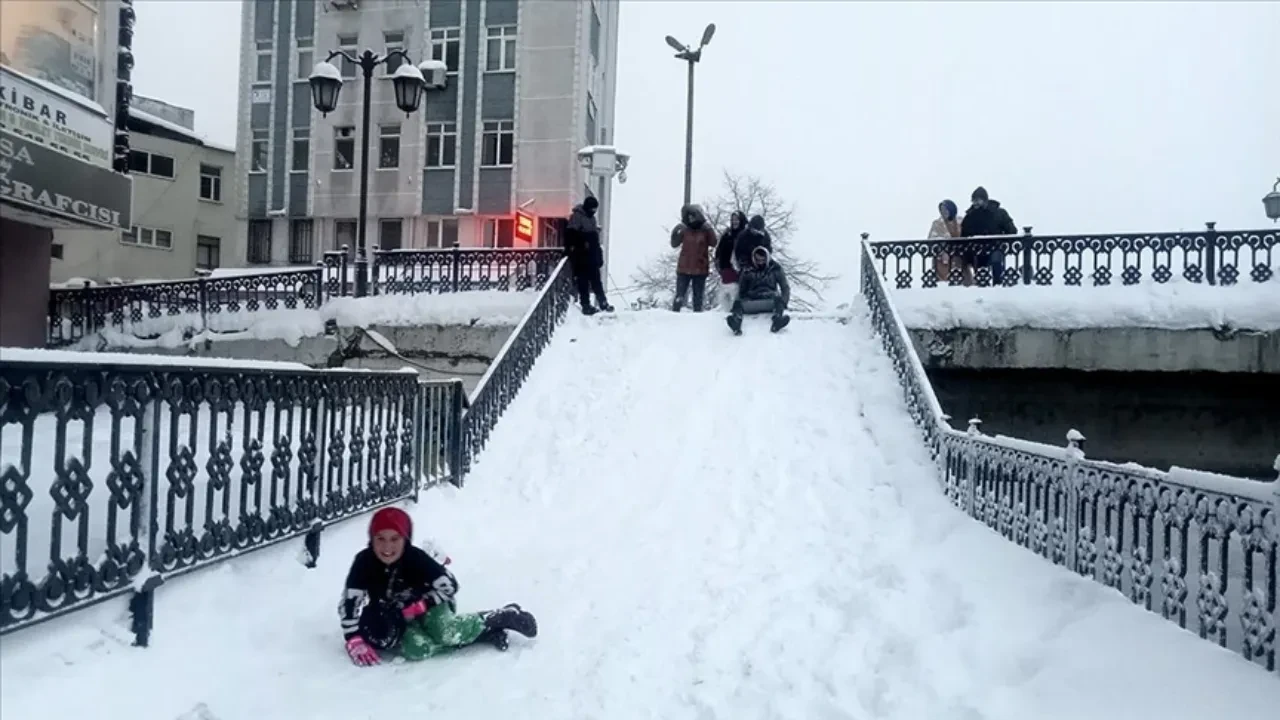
<point>708,527</point>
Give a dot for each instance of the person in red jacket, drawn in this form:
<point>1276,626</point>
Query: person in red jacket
<point>398,598</point>
<point>696,239</point>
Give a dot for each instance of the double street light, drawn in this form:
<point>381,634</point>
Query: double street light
<point>692,57</point>
<point>409,83</point>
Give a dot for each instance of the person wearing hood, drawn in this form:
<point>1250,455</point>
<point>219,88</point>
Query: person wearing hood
<point>586,257</point>
<point>398,598</point>
<point>986,218</point>
<point>696,239</point>
<point>946,227</point>
<point>762,288</point>
<point>724,256</point>
<point>754,236</point>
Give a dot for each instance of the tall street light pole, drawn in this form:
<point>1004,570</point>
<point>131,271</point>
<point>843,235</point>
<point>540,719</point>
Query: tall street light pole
<point>409,84</point>
<point>691,56</point>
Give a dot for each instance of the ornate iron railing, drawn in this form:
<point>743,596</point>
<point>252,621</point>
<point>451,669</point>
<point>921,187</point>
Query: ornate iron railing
<point>1178,543</point>
<point>1216,257</point>
<point>399,272</point>
<point>149,308</point>
<point>115,477</point>
<point>504,377</point>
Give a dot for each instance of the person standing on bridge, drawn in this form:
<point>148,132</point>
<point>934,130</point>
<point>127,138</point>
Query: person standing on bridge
<point>986,218</point>
<point>586,257</point>
<point>724,256</point>
<point>696,239</point>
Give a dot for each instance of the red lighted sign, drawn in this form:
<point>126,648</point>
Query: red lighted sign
<point>524,228</point>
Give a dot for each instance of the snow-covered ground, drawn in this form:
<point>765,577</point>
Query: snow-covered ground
<point>707,527</point>
<point>1177,305</point>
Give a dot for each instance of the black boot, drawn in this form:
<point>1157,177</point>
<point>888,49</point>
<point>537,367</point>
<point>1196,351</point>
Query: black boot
<point>512,617</point>
<point>588,310</point>
<point>495,637</point>
<point>735,323</point>
<point>779,322</point>
<point>604,305</point>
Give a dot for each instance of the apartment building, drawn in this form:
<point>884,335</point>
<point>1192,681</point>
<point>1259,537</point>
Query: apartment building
<point>530,82</point>
<point>184,207</point>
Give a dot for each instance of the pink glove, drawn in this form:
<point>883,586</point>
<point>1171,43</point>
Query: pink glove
<point>360,652</point>
<point>414,610</point>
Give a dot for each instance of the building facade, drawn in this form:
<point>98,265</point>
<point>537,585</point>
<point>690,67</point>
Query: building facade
<point>530,82</point>
<point>184,207</point>
<point>65,72</point>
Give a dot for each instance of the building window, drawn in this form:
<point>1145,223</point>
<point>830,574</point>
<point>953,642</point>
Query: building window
<point>259,250</point>
<point>306,42</point>
<point>389,234</point>
<point>55,251</point>
<point>148,163</point>
<point>349,44</point>
<point>208,252</point>
<point>258,152</point>
<point>442,233</point>
<point>499,233</point>
<point>498,146</point>
<point>591,119</point>
<point>147,237</point>
<point>301,242</point>
<point>500,48</point>
<point>263,74</point>
<point>301,149</point>
<point>446,45</point>
<point>388,147</point>
<point>344,234</point>
<point>442,145</point>
<point>393,40</point>
<point>210,183</point>
<point>344,147</point>
<point>595,34</point>
<point>306,63</point>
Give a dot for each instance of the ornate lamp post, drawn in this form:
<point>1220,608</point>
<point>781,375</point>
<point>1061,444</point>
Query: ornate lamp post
<point>1272,202</point>
<point>604,161</point>
<point>692,57</point>
<point>409,83</point>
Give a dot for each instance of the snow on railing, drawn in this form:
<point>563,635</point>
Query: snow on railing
<point>118,472</point>
<point>1177,543</point>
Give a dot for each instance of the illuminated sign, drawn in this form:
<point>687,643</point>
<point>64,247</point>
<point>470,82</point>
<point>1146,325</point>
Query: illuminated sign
<point>524,228</point>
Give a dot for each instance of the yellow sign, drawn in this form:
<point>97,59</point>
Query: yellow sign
<point>52,40</point>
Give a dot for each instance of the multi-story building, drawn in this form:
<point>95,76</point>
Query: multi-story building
<point>65,68</point>
<point>530,82</point>
<point>184,217</point>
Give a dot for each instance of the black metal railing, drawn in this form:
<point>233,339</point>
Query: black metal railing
<point>1198,549</point>
<point>509,369</point>
<point>401,272</point>
<point>1216,257</point>
<point>114,478</point>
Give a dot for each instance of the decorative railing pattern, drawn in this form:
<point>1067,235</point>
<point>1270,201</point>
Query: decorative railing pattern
<point>504,377</point>
<point>399,272</point>
<point>1216,257</point>
<point>116,477</point>
<point>1199,549</point>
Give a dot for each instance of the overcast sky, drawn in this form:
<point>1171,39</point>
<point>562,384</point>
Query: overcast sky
<point>1079,117</point>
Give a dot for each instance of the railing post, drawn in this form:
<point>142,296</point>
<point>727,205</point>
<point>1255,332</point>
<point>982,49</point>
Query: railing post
<point>1211,253</point>
<point>342,270</point>
<point>456,270</point>
<point>456,449</point>
<point>203,293</point>
<point>1075,453</point>
<point>1027,259</point>
<point>145,520</point>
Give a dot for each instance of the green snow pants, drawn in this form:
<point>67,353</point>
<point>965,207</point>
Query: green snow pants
<point>439,631</point>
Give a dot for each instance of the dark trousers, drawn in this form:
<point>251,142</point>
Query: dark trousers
<point>589,283</point>
<point>683,282</point>
<point>760,306</point>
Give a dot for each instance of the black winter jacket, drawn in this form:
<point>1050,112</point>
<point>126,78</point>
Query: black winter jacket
<point>989,220</point>
<point>415,576</point>
<point>725,248</point>
<point>764,283</point>
<point>747,242</point>
<point>582,240</point>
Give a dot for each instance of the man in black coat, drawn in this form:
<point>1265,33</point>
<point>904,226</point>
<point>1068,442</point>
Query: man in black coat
<point>586,257</point>
<point>762,288</point>
<point>756,235</point>
<point>985,217</point>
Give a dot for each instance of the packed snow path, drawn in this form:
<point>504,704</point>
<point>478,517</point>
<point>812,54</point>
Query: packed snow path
<point>708,527</point>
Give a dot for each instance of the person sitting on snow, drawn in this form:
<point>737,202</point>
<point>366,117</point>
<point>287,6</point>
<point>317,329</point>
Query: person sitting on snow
<point>397,597</point>
<point>762,288</point>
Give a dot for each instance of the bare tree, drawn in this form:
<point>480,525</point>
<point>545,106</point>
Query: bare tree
<point>655,282</point>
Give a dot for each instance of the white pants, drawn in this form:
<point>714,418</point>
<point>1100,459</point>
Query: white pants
<point>728,293</point>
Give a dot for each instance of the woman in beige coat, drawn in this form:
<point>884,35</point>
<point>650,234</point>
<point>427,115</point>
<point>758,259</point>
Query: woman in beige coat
<point>945,227</point>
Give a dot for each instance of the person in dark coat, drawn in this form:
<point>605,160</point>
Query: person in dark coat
<point>756,235</point>
<point>586,257</point>
<point>696,239</point>
<point>985,218</point>
<point>398,598</point>
<point>724,250</point>
<point>762,288</point>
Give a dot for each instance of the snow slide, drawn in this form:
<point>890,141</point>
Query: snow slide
<point>708,527</point>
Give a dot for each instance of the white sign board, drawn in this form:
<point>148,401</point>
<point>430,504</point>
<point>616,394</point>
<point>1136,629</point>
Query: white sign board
<point>58,123</point>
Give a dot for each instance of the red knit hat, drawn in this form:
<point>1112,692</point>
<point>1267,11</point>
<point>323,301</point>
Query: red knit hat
<point>391,518</point>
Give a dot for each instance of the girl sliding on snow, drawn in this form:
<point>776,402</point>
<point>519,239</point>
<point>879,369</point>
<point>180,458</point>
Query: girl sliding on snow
<point>398,597</point>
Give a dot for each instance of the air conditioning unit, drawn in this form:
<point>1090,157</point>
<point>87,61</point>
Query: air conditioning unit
<point>345,4</point>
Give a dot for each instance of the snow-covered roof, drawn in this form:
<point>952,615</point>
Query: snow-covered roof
<point>177,129</point>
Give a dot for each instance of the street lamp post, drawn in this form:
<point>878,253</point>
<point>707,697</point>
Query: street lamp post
<point>692,57</point>
<point>408,83</point>
<point>1271,202</point>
